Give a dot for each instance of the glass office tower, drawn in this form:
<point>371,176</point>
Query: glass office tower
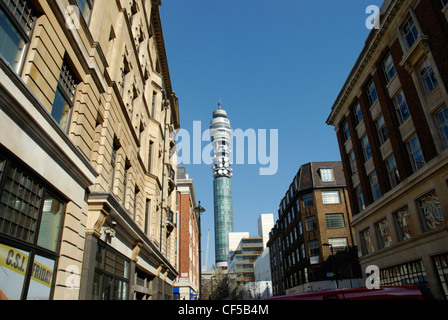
<point>220,133</point>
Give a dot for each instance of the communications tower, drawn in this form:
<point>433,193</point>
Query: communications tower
<point>220,133</point>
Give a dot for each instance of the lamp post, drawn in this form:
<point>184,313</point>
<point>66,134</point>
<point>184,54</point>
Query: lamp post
<point>198,210</point>
<point>334,262</point>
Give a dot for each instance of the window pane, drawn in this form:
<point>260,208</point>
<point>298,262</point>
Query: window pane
<point>11,42</point>
<point>383,234</point>
<point>61,110</point>
<point>338,244</point>
<point>308,200</point>
<point>430,211</point>
<point>51,223</point>
<point>13,268</point>
<point>41,279</point>
<point>335,220</point>
<point>330,197</point>
<point>404,226</point>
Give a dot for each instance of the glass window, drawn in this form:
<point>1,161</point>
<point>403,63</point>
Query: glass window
<point>401,107</point>
<point>430,211</point>
<point>330,197</point>
<point>442,123</point>
<point>376,192</point>
<point>392,171</point>
<point>86,7</point>
<point>313,246</point>
<point>410,32</point>
<point>352,159</point>
<point>50,224</point>
<point>428,77</point>
<point>389,68</point>
<point>13,268</point>
<point>20,204</point>
<point>441,266</point>
<point>64,97</point>
<point>12,38</point>
<point>335,220</point>
<point>41,279</point>
<point>415,153</point>
<point>111,278</point>
<point>310,223</point>
<point>31,215</point>
<point>360,198</point>
<point>404,274</point>
<point>403,224</point>
<point>366,147</point>
<point>358,114</point>
<point>371,93</point>
<point>326,174</point>
<point>338,244</point>
<point>307,200</point>
<point>383,234</point>
<point>345,131</point>
<point>381,128</point>
<point>366,242</point>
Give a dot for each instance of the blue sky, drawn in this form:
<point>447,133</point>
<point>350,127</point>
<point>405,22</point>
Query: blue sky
<point>273,65</point>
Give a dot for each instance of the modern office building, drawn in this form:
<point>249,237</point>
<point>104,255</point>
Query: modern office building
<point>220,133</point>
<point>391,124</point>
<point>312,246</point>
<point>241,261</point>
<point>187,284</point>
<point>87,201</point>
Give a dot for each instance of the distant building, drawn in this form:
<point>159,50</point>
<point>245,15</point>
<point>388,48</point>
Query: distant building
<point>187,284</point>
<point>235,239</point>
<point>391,121</point>
<point>314,220</point>
<point>241,261</point>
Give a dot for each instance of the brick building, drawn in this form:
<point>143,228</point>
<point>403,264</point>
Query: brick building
<point>86,190</point>
<point>391,123</point>
<point>314,220</point>
<point>187,284</point>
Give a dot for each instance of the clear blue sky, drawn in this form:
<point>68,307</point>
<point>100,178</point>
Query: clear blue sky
<point>274,65</point>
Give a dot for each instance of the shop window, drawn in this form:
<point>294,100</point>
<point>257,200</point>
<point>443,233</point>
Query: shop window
<point>403,224</point>
<point>30,228</point>
<point>383,234</point>
<point>366,242</point>
<point>430,211</point>
<point>111,279</point>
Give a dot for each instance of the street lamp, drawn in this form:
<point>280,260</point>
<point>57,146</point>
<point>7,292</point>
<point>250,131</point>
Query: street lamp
<point>334,262</point>
<point>198,210</point>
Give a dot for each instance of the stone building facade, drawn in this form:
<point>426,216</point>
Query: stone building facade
<point>87,114</point>
<point>390,119</point>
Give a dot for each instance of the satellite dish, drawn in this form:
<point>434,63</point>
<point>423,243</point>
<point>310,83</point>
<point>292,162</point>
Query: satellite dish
<point>220,171</point>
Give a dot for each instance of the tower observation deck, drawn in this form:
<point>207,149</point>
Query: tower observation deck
<point>220,133</point>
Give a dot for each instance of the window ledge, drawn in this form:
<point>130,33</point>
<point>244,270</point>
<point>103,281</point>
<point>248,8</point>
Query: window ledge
<point>415,53</point>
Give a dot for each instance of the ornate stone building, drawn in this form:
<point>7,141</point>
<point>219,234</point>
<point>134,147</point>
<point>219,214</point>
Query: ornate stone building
<point>87,166</point>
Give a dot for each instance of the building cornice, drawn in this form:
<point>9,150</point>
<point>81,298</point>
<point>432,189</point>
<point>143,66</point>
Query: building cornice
<point>388,13</point>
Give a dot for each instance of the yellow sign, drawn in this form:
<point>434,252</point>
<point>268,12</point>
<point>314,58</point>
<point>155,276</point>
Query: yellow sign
<point>17,261</point>
<point>42,274</point>
<point>13,259</point>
